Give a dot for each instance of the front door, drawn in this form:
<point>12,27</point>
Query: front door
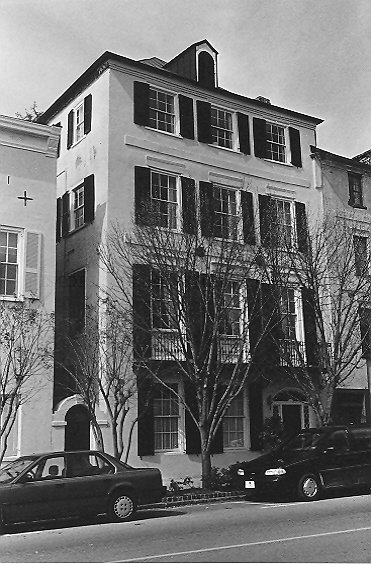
<point>291,418</point>
<point>77,430</point>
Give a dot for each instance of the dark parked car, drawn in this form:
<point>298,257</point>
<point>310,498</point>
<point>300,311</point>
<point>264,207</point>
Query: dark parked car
<point>315,460</point>
<point>80,483</point>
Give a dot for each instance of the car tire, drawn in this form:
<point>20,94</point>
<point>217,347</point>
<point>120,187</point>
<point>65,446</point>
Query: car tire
<point>309,488</point>
<point>121,506</point>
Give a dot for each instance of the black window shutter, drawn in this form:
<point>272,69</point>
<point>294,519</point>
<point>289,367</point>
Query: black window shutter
<point>365,329</point>
<point>142,195</point>
<point>301,227</point>
<point>265,216</point>
<point>204,121</point>
<point>87,113</point>
<point>244,133</point>
<point>271,324</point>
<point>248,217</point>
<point>186,117</point>
<point>89,199</point>
<point>141,103</point>
<point>193,440</point>
<point>189,205</point>
<point>207,208</point>
<point>255,315</point>
<point>70,129</point>
<point>294,135</point>
<point>260,137</point>
<point>309,322</point>
<point>146,436</point>
<point>59,140</point>
<point>142,310</point>
<point>256,415</point>
<point>59,218</point>
<point>65,213</point>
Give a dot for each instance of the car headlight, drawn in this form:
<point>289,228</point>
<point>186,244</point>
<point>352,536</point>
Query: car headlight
<point>240,472</point>
<point>275,472</point>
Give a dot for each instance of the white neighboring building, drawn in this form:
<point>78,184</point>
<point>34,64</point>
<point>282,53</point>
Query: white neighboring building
<point>28,157</point>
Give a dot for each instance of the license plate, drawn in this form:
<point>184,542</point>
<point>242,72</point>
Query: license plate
<point>249,484</point>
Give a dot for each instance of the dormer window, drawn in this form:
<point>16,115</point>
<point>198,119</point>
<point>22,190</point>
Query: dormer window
<point>206,69</point>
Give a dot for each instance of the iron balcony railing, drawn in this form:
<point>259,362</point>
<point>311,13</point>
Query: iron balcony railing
<point>291,353</point>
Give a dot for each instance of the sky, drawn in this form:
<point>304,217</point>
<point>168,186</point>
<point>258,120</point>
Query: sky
<point>311,56</point>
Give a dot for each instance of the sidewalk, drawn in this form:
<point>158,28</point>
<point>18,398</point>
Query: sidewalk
<point>195,498</point>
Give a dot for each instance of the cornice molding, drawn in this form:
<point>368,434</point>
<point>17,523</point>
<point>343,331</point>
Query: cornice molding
<point>29,136</point>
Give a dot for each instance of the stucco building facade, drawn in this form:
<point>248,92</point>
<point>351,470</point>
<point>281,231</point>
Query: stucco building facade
<point>28,153</point>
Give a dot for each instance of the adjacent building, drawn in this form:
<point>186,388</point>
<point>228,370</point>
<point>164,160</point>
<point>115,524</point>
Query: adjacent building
<point>28,157</point>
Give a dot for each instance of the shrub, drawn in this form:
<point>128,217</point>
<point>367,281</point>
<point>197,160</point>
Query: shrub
<point>272,433</point>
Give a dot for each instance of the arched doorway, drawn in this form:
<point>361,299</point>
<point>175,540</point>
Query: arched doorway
<point>77,430</point>
<point>293,410</point>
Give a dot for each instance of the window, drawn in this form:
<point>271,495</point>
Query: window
<point>79,133</point>
<point>284,227</point>
<point>78,207</point>
<point>288,314</point>
<point>226,215</point>
<point>234,423</point>
<point>361,255</point>
<point>355,190</point>
<point>231,309</point>
<point>166,418</point>
<point>79,121</point>
<point>221,128</point>
<point>163,313</point>
<point>276,145</point>
<point>161,110</point>
<point>164,197</point>
<point>9,263</point>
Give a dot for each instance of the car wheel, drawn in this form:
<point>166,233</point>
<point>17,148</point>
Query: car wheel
<point>309,487</point>
<point>121,507</point>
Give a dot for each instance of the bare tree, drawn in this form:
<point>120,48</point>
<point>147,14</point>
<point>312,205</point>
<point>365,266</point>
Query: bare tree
<point>333,277</point>
<point>31,114</point>
<point>194,303</point>
<point>26,343</point>
<point>99,361</point>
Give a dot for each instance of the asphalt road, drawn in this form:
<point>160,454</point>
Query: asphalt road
<point>330,530</point>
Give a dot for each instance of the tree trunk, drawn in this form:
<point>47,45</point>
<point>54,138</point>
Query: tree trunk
<point>205,459</point>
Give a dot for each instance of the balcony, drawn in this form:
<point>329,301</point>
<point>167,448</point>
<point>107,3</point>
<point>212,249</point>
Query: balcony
<point>292,353</point>
<point>166,345</point>
<point>230,348</point>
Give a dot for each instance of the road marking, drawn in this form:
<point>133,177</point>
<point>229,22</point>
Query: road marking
<point>244,545</point>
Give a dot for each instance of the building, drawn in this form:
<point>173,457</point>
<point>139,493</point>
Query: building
<point>129,126</point>
<point>345,188</point>
<point>28,154</point>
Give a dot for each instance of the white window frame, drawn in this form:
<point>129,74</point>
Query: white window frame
<point>78,208</point>
<point>286,145</point>
<point>160,299</point>
<point>176,120</point>
<point>20,263</point>
<point>78,132</point>
<point>217,127</point>
<point>181,420</point>
<point>176,203</point>
<point>243,418</point>
<point>299,322</point>
<point>228,214</point>
<point>292,225</point>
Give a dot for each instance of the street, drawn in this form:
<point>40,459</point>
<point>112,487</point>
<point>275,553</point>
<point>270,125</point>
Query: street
<point>329,530</point>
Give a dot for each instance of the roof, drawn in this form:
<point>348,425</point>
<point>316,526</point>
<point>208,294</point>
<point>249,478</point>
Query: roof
<point>107,57</point>
<point>326,155</point>
<point>153,62</point>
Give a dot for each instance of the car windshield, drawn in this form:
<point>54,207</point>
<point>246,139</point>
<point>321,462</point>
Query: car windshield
<point>12,470</point>
<point>304,441</point>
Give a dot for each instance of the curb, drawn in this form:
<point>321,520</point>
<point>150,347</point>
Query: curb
<point>193,499</point>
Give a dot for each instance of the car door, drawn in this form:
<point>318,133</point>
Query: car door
<point>88,482</point>
<point>334,460</point>
<point>38,494</point>
<point>360,447</point>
